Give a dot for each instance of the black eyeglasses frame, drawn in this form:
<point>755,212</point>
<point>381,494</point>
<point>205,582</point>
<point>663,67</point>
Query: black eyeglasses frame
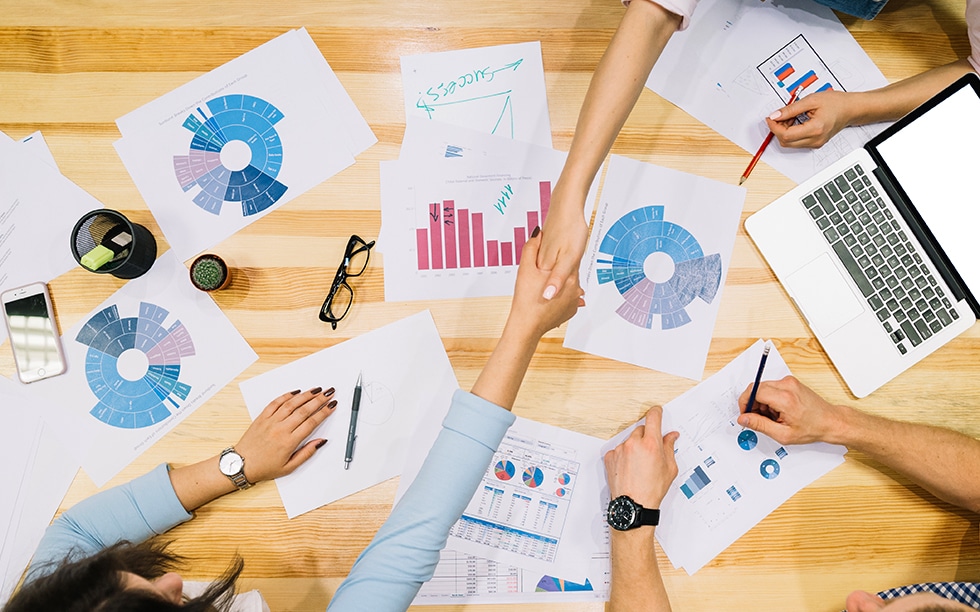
<point>355,245</point>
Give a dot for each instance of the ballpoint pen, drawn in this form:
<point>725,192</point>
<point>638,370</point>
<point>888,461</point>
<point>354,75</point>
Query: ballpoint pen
<point>758,379</point>
<point>765,143</point>
<point>352,431</point>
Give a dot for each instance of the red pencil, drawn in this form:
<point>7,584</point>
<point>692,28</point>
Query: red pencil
<point>765,143</point>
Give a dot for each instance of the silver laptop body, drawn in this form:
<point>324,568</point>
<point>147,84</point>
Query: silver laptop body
<point>880,252</point>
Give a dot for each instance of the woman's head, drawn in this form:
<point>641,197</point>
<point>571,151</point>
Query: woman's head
<point>121,577</point>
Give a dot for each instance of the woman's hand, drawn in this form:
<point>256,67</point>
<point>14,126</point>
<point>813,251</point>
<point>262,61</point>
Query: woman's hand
<point>269,445</point>
<point>530,309</point>
<point>828,113</point>
<point>562,242</point>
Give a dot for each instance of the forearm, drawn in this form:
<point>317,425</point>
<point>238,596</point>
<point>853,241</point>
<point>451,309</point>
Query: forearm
<point>501,377</point>
<point>944,462</point>
<point>200,483</point>
<point>896,100</point>
<point>636,580</point>
<point>616,86</point>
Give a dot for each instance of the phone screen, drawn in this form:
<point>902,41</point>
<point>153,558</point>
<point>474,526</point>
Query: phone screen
<point>33,338</point>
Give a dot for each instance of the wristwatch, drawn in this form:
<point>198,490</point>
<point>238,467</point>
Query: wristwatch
<point>624,514</point>
<point>232,465</point>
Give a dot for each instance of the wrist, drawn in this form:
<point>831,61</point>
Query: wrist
<point>521,331</point>
<point>841,425</point>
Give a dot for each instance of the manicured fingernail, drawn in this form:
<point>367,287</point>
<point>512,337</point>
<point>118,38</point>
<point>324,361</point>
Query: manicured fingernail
<point>328,392</point>
<point>537,230</point>
<point>550,292</point>
<point>294,392</point>
<point>316,390</point>
<point>332,404</point>
<point>320,444</point>
<point>775,115</point>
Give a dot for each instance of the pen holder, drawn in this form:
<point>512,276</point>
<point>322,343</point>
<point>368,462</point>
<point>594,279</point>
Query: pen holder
<point>106,242</point>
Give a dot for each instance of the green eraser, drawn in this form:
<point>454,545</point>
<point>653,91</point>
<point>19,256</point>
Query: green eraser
<point>97,257</point>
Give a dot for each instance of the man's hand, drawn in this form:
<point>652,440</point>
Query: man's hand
<point>828,112</point>
<point>643,466</point>
<point>791,413</point>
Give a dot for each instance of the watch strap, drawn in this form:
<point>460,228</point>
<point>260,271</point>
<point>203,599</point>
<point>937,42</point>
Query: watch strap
<point>648,516</point>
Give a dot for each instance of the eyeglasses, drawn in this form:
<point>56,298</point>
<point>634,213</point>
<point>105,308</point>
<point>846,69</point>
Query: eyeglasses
<point>341,295</point>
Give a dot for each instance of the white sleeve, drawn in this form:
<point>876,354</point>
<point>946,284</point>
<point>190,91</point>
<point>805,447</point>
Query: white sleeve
<point>684,8</point>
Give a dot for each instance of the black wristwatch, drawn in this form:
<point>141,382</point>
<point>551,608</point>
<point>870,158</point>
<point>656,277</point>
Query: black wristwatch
<point>624,514</point>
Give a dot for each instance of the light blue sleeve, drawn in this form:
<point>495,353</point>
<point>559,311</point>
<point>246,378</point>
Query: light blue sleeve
<point>405,551</point>
<point>135,511</point>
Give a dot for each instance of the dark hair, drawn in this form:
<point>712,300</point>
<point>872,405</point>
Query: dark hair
<point>96,583</point>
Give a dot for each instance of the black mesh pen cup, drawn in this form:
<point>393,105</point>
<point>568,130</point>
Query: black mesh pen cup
<point>106,242</point>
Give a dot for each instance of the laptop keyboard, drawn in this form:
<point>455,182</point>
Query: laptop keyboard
<point>885,265</point>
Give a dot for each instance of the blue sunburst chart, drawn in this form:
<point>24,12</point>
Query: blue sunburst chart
<point>625,248</point>
<point>134,402</point>
<point>224,120</point>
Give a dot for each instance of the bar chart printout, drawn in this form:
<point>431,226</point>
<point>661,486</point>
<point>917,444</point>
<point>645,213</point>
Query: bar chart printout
<point>457,238</point>
<point>798,66</point>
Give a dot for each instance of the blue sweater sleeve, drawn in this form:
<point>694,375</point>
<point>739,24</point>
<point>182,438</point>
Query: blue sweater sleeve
<point>405,551</point>
<point>135,511</point>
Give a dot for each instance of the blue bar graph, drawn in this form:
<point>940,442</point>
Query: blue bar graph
<point>697,481</point>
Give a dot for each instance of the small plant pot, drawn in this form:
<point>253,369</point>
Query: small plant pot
<point>210,273</point>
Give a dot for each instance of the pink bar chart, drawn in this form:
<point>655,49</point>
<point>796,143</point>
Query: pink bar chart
<point>454,238</point>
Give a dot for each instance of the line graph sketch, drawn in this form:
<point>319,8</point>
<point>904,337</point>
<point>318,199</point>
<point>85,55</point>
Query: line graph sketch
<point>497,90</point>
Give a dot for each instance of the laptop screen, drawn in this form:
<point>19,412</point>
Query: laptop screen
<point>935,160</point>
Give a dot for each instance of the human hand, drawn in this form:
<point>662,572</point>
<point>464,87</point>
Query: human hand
<point>829,112</point>
<point>530,310</point>
<point>643,466</point>
<point>269,444</point>
<point>790,412</point>
<point>563,241</point>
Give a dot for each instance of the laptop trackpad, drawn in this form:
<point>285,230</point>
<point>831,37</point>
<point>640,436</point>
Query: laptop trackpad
<point>823,295</point>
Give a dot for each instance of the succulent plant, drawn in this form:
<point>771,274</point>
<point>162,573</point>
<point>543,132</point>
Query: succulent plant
<point>209,272</point>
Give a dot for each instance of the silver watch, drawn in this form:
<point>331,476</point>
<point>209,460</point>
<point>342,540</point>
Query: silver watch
<point>232,465</point>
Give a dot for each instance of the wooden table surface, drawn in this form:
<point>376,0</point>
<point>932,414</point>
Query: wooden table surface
<point>70,69</point>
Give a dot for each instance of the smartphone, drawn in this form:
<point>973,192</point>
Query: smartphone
<point>33,332</point>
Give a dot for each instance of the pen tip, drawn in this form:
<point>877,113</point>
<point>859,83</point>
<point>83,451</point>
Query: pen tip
<point>741,180</point>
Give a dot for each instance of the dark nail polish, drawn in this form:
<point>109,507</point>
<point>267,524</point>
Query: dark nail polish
<point>332,404</point>
<point>294,392</point>
<point>328,392</point>
<point>320,444</point>
<point>316,390</point>
<point>537,230</point>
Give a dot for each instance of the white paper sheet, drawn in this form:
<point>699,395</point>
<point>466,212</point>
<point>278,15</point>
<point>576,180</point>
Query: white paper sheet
<point>655,267</point>
<point>722,70</point>
<point>539,506</point>
<point>496,90</point>
<point>229,147</point>
<point>43,482</point>
<point>455,226</point>
<point>729,478</point>
<point>138,365</point>
<point>468,579</point>
<point>38,209</point>
<point>37,146</point>
<point>406,374</point>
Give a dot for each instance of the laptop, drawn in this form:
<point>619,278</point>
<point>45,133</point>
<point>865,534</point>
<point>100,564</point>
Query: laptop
<point>880,251</point>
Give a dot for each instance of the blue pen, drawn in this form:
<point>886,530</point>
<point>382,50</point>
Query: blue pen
<point>352,431</point>
<point>758,379</point>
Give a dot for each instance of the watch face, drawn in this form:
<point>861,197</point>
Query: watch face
<point>621,514</point>
<point>230,464</point>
